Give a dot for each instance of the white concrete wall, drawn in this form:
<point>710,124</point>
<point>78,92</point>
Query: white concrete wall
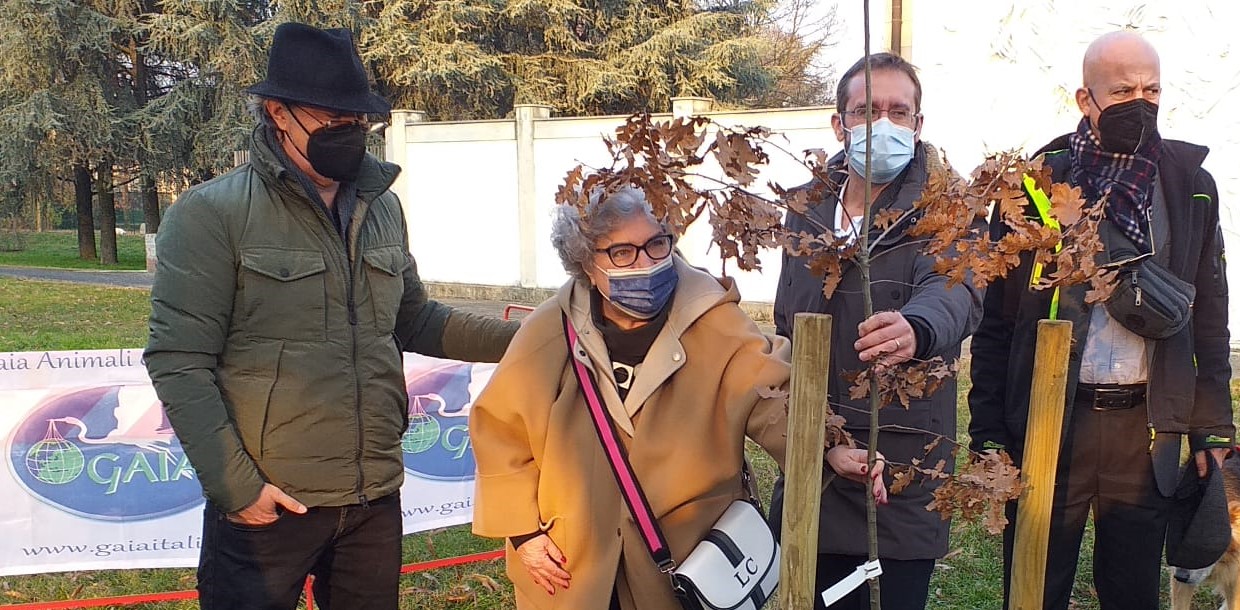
<point>459,189</point>
<point>997,74</point>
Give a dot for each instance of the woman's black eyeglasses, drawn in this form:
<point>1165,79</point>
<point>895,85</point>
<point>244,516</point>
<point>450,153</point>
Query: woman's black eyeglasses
<point>657,248</point>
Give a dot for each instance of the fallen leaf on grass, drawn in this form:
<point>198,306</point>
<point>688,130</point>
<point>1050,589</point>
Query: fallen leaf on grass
<point>460,593</point>
<point>487,582</point>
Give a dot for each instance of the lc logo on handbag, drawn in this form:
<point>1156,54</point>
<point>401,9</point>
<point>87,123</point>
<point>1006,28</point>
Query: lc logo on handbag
<point>734,567</point>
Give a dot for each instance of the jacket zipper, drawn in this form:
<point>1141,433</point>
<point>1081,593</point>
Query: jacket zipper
<point>350,254</point>
<point>347,244</point>
<point>1149,391</point>
<point>357,395</point>
<point>351,304</point>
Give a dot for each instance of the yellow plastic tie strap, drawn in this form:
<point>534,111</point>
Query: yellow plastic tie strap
<point>1043,204</point>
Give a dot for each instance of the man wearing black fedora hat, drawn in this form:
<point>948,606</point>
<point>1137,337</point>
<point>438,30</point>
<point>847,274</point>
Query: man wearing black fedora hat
<point>283,298</point>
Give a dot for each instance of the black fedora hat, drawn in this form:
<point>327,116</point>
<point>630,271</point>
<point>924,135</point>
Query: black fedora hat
<point>321,68</point>
<point>1199,528</point>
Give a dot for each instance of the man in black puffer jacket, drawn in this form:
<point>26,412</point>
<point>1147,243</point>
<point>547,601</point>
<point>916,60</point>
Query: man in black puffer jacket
<point>1131,396</point>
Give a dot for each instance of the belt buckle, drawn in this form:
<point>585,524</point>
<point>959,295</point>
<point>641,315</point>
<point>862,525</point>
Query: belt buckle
<point>1112,399</point>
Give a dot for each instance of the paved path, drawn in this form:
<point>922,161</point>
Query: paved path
<point>128,279</point>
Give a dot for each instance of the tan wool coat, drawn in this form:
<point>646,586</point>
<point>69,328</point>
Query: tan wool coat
<point>693,401</point>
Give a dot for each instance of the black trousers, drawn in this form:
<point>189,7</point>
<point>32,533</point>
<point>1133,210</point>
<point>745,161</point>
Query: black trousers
<point>352,551</point>
<point>904,584</point>
<point>1105,468</point>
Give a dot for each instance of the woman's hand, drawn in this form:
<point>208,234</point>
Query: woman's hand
<point>850,464</point>
<point>545,563</point>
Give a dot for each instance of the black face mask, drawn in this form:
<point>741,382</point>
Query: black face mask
<point>1124,127</point>
<point>336,152</point>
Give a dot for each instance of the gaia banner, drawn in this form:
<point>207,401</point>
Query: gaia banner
<point>94,477</point>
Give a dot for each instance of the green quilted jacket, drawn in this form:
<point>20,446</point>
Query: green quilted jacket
<point>275,345</point>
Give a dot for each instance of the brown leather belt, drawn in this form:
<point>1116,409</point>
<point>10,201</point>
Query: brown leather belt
<point>1110,397</point>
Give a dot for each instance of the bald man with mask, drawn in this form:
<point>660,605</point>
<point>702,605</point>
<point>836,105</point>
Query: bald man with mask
<point>1134,394</point>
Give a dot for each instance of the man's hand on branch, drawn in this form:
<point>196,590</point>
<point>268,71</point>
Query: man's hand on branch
<point>886,337</point>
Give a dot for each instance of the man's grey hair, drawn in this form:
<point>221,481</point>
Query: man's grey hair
<point>574,237</point>
<point>256,106</point>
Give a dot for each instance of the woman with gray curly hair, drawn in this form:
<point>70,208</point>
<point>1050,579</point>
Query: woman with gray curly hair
<point>574,239</point>
<point>681,371</point>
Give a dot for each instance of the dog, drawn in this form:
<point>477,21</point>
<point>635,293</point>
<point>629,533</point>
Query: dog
<point>1224,575</point>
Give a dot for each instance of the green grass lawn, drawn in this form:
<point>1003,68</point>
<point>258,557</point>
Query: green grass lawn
<point>40,316</point>
<point>58,249</point>
<point>55,316</point>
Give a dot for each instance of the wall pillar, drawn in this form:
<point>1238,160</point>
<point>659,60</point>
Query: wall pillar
<point>690,106</point>
<point>527,195</point>
<point>395,138</point>
<point>151,256</point>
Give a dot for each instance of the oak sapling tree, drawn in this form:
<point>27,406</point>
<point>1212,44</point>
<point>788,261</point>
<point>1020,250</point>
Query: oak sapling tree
<point>948,222</point>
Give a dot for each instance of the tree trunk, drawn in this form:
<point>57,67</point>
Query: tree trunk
<point>150,204</point>
<point>85,213</point>
<point>107,215</point>
<point>143,84</point>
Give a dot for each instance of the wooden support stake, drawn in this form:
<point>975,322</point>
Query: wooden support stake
<point>1043,434</point>
<point>811,359</point>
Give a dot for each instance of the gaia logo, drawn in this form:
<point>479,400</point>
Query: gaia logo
<point>436,444</point>
<point>104,453</point>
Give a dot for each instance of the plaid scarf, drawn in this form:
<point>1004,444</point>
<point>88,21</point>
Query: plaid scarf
<point>1127,181</point>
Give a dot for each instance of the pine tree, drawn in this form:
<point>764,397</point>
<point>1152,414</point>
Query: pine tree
<point>208,53</point>
<point>58,103</point>
<point>94,92</point>
<point>462,59</point>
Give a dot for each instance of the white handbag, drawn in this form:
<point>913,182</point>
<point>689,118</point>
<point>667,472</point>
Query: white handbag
<point>734,567</point>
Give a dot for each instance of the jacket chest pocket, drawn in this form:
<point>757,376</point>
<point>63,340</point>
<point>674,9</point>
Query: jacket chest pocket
<point>284,294</point>
<point>385,268</point>
<point>890,281</point>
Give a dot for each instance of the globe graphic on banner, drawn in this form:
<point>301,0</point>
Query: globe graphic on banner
<point>55,461</point>
<point>422,434</point>
<point>104,453</point>
<point>436,444</point>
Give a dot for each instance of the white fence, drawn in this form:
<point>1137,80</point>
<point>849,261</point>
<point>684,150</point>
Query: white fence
<point>479,194</point>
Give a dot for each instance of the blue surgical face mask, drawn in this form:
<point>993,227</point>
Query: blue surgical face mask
<point>892,150</point>
<point>642,293</point>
